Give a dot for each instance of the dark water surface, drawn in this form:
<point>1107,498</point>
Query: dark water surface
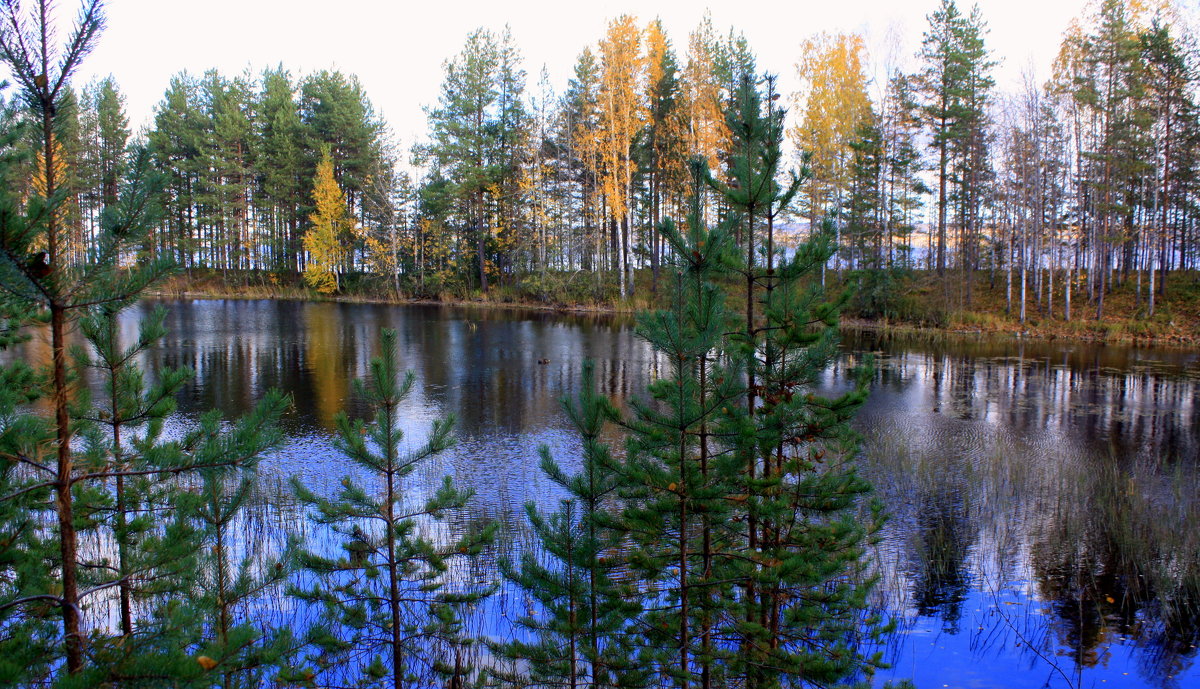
<point>1045,496</point>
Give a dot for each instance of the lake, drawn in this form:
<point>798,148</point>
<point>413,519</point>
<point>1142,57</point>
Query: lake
<point>1044,496</point>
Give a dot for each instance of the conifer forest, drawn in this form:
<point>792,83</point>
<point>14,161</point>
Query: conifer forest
<point>677,374</point>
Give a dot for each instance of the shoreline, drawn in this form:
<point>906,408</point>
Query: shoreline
<point>1030,333</point>
<point>1081,331</point>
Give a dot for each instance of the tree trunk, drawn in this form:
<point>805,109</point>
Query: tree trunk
<point>68,541</point>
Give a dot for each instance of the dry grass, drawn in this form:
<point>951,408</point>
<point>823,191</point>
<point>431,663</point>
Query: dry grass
<point>1176,318</point>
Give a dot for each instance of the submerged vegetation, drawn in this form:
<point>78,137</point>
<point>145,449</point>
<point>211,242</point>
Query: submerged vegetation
<point>1104,541</point>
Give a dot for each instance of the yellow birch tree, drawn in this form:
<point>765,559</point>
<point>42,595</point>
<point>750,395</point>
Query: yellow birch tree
<point>325,240</point>
<point>833,103</point>
<point>622,116</point>
<point>706,132</point>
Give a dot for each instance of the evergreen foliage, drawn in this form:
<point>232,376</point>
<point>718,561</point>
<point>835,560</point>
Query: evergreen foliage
<point>390,608</point>
<point>956,85</point>
<point>232,575</point>
<point>477,133</point>
<point>92,503</point>
<point>736,510</point>
<point>801,613</point>
<point>804,614</point>
<point>726,546</point>
<point>581,631</point>
<point>680,484</point>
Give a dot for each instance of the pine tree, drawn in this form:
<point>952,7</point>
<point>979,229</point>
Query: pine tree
<point>581,630</point>
<point>326,239</point>
<point>865,212</point>
<point>229,178</point>
<point>27,633</point>
<point>91,468</point>
<point>802,573</point>
<point>581,126</point>
<point>1102,72</point>
<point>159,527</point>
<point>123,436</point>
<point>512,133</point>
<point>228,591</point>
<point>665,133</point>
<point>179,141</point>
<point>679,482</point>
<point>279,157</point>
<point>1170,74</point>
<point>337,114</point>
<point>113,131</point>
<point>388,615</point>
<point>466,137</point>
<point>904,190</point>
<point>956,82</point>
<point>34,266</point>
<point>104,133</point>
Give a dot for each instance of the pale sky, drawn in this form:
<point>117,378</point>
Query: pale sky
<point>397,48</point>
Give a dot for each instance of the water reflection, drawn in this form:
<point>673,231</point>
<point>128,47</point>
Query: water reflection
<point>1044,498</point>
<point>1043,494</point>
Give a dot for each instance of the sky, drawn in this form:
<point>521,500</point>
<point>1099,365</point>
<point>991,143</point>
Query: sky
<point>397,47</point>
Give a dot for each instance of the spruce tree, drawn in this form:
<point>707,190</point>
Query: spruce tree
<point>581,631</point>
<point>388,615</point>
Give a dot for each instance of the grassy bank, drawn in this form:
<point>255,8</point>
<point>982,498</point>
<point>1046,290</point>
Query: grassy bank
<point>921,304</point>
<point>926,306</point>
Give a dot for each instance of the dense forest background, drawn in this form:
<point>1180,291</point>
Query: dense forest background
<point>946,195</point>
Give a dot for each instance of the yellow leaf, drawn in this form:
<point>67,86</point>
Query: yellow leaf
<point>206,662</point>
<point>834,104</point>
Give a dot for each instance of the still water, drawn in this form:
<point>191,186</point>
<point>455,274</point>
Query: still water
<point>1044,497</point>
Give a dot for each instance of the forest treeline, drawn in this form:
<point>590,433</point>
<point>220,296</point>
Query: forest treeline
<point>1054,193</point>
